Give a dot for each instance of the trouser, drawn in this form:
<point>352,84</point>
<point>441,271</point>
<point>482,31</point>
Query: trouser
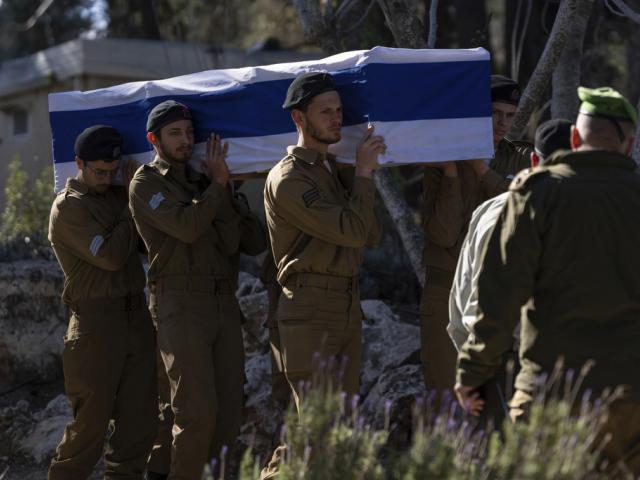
<point>200,341</point>
<point>622,423</point>
<point>319,315</point>
<point>160,456</point>
<point>280,390</point>
<point>109,373</point>
<point>437,352</point>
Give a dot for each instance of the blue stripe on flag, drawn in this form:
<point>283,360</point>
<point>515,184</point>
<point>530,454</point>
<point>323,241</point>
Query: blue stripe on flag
<point>377,91</point>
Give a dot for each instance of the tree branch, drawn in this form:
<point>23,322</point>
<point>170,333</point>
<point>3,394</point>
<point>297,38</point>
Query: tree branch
<point>546,65</point>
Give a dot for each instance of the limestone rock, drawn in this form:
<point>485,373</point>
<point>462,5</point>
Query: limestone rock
<point>387,343</point>
<point>33,320</point>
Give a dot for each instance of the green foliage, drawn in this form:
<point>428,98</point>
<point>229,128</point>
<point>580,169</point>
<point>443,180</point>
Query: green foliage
<point>63,21</point>
<point>331,440</point>
<point>25,219</point>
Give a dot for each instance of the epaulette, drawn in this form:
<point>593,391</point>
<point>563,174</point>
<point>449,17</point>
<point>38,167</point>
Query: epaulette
<point>524,177</point>
<point>521,146</point>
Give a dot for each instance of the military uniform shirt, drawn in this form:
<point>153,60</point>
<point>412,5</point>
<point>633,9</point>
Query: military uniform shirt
<point>95,241</point>
<point>450,201</point>
<point>317,222</point>
<point>565,252</point>
<point>187,222</point>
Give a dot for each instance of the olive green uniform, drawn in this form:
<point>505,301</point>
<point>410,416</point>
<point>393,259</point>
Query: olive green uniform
<point>109,351</point>
<point>319,220</point>
<point>566,249</point>
<point>252,242</point>
<point>448,205</point>
<point>190,228</point>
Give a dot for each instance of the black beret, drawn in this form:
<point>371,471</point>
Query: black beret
<point>165,113</point>
<point>306,86</point>
<point>504,90</point>
<point>553,135</point>
<point>99,142</point>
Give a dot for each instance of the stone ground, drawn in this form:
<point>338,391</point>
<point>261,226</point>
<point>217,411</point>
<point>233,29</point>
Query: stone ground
<point>32,412</point>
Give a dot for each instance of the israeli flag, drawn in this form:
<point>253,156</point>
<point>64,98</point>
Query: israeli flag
<point>430,105</point>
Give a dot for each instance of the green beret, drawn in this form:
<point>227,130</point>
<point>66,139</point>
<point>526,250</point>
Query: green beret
<point>606,102</point>
<point>165,113</point>
<point>504,90</point>
<point>99,142</point>
<point>306,86</point>
<point>553,135</point>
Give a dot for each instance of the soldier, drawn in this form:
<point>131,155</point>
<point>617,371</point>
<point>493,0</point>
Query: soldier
<point>452,190</point>
<point>109,348</point>
<point>463,301</point>
<point>318,223</point>
<point>566,249</point>
<point>190,227</point>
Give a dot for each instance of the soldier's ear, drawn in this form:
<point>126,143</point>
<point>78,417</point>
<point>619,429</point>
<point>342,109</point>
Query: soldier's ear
<point>298,117</point>
<point>79,162</point>
<point>535,160</point>
<point>152,138</point>
<point>576,140</point>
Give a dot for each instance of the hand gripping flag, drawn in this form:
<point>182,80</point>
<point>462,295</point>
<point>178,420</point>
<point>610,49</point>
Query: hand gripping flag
<point>430,105</point>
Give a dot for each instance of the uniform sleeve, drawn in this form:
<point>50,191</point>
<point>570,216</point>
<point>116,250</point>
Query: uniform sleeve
<point>299,201</point>
<point>375,234</point>
<point>493,184</point>
<point>458,297</point>
<point>75,229</point>
<point>442,217</point>
<point>505,283</point>
<point>186,222</point>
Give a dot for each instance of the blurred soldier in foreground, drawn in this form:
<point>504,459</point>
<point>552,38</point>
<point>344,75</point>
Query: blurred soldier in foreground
<point>566,249</point>
<point>550,136</point>
<point>109,351</point>
<point>190,227</point>
<point>452,190</point>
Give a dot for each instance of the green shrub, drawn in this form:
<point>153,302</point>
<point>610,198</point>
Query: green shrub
<point>25,219</point>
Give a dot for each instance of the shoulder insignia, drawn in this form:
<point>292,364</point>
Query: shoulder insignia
<point>156,200</point>
<point>310,196</point>
<point>96,243</point>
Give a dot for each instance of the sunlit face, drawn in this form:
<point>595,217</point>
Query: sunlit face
<point>503,114</point>
<point>98,175</point>
<point>175,142</point>
<point>322,120</point>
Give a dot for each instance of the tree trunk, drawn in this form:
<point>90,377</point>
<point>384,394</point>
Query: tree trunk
<point>403,22</point>
<point>566,77</point>
<point>546,65</point>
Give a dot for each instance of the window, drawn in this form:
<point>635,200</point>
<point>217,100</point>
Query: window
<point>20,121</point>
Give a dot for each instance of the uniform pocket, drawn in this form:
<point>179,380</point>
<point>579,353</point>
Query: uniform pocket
<point>299,306</point>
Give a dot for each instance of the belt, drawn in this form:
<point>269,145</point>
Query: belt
<point>118,304</point>
<point>327,282</point>
<point>193,283</point>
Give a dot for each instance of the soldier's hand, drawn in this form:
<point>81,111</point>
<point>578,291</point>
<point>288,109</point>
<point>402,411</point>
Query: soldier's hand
<point>128,172</point>
<point>470,399</point>
<point>367,152</point>
<point>214,165</point>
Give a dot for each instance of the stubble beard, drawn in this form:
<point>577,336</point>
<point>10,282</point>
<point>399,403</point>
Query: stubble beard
<point>313,133</point>
<point>181,157</point>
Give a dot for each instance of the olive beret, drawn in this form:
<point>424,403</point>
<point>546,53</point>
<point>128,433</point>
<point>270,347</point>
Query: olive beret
<point>504,90</point>
<point>606,102</point>
<point>165,113</point>
<point>306,86</point>
<point>553,135</point>
<point>99,142</point>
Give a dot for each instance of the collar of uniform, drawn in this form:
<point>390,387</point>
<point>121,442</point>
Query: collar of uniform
<point>308,155</point>
<point>595,158</point>
<point>161,165</point>
<point>77,186</point>
<point>165,167</point>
